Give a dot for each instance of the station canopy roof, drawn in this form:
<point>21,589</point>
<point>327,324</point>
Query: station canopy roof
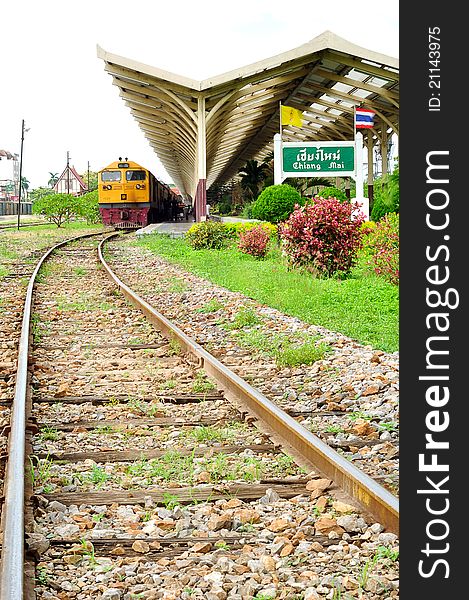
<point>325,78</point>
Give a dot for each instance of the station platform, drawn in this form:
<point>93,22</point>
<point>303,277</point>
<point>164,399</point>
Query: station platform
<point>171,228</point>
<point>179,228</point>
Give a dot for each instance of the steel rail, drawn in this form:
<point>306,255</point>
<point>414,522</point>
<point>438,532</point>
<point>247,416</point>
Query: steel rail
<point>369,494</point>
<point>12,558</point>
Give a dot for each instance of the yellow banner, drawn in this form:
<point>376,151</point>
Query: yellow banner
<point>292,116</point>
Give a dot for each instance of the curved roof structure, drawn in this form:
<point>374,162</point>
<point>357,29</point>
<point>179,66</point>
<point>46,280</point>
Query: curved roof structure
<point>207,130</point>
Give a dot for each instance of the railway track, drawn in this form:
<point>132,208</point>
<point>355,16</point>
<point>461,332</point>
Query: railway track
<point>156,472</point>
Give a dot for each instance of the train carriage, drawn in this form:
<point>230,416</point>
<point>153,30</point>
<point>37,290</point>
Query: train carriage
<point>131,197</point>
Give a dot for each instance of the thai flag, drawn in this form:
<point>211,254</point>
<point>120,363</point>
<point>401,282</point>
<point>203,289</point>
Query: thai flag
<point>363,118</point>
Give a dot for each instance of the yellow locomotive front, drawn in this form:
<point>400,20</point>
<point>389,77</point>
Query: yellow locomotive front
<point>125,191</point>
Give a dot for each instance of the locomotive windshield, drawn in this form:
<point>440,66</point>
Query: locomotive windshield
<point>135,175</point>
<point>111,176</point>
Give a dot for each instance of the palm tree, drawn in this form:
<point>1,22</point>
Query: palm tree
<point>252,176</point>
<point>53,179</point>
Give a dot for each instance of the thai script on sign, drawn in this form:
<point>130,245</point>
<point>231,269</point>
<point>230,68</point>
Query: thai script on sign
<point>317,154</point>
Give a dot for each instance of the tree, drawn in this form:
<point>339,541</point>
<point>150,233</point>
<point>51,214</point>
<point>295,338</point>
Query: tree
<point>38,193</point>
<point>93,178</point>
<point>252,176</point>
<point>57,208</point>
<point>88,207</point>
<point>53,179</point>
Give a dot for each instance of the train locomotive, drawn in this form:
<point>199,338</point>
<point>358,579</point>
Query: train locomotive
<point>131,197</point>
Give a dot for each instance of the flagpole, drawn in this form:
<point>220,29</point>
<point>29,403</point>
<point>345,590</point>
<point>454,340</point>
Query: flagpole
<point>281,131</point>
<point>278,151</point>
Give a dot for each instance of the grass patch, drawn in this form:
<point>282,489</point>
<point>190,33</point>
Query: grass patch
<point>210,306</point>
<point>201,384</point>
<point>287,351</point>
<point>363,306</point>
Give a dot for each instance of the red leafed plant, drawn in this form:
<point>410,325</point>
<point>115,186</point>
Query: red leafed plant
<point>322,236</point>
<point>254,242</point>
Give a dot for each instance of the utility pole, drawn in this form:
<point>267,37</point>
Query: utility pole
<point>21,171</point>
<point>68,172</point>
<point>88,175</point>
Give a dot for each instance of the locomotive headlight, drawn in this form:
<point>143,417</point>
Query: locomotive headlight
<point>140,186</point>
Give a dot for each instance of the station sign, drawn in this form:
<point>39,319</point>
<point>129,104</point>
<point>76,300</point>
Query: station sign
<point>320,159</point>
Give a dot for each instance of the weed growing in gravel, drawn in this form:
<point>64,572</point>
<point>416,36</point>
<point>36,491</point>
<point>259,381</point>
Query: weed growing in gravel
<point>286,351</point>
<point>40,470</point>
<point>79,271</point>
<point>174,347</point>
<point>178,286</point>
<point>334,429</point>
<point>202,384</point>
<point>304,354</point>
<point>104,429</point>
<point>170,501</point>
<point>42,577</point>
<point>392,426</point>
<point>97,476</point>
<point>88,551</point>
<point>84,303</point>
<point>205,433</point>
<point>167,385</point>
<point>36,324</point>
<point>136,405</point>
<point>137,467</point>
<point>385,552</point>
<point>359,415</point>
<point>221,468</point>
<point>381,552</point>
<point>245,317</point>
<point>48,433</point>
<point>222,546</point>
<point>210,306</point>
<point>287,466</point>
<point>172,466</point>
<point>98,517</point>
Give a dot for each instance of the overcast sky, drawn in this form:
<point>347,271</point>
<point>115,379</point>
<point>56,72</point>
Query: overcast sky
<point>50,75</point>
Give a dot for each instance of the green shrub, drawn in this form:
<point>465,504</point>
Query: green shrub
<point>367,227</point>
<point>209,234</point>
<point>88,207</point>
<point>238,229</point>
<point>276,203</point>
<point>385,195</point>
<point>246,213</point>
<point>382,247</point>
<point>333,192</point>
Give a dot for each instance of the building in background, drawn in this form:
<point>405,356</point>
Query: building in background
<point>70,182</point>
<point>9,176</point>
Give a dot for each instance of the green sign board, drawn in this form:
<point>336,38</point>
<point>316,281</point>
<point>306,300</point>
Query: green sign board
<point>308,160</point>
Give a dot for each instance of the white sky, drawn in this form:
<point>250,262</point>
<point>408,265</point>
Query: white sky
<point>50,75</point>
